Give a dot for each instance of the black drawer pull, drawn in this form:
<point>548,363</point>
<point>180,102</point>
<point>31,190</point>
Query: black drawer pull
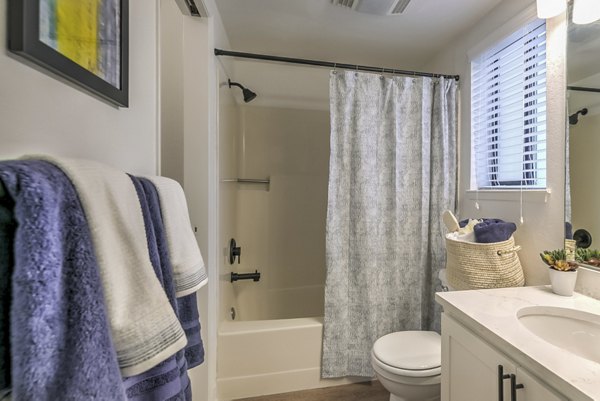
<point>514,387</point>
<point>501,378</point>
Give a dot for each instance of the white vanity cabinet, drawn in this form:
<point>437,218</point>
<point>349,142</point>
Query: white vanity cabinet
<point>473,370</point>
<point>534,389</point>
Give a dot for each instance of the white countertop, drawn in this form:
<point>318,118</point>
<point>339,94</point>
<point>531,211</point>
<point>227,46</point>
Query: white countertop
<point>492,314</point>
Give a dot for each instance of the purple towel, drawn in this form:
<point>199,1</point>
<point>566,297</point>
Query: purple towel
<point>493,230</point>
<point>568,230</point>
<point>190,321</point>
<point>168,380</point>
<point>60,343</point>
<point>7,232</point>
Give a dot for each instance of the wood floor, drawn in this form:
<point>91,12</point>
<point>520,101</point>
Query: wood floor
<point>367,391</point>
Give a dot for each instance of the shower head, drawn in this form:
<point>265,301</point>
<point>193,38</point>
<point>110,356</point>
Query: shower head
<point>248,94</point>
<point>574,118</point>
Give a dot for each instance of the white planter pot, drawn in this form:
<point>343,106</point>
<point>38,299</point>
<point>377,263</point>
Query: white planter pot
<point>563,283</point>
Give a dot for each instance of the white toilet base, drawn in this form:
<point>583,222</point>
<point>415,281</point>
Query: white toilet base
<point>409,388</point>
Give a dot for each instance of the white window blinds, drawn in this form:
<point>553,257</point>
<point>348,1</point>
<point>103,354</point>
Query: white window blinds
<point>508,111</point>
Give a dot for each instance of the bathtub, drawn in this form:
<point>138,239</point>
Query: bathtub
<point>260,357</point>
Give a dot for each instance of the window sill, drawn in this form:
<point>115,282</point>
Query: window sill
<point>510,195</point>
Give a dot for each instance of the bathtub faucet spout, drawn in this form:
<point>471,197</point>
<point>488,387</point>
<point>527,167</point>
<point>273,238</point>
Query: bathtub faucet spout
<point>245,276</point>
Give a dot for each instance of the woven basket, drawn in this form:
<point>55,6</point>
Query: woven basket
<point>472,265</point>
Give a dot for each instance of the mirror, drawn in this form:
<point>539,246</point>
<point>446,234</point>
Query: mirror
<point>582,198</point>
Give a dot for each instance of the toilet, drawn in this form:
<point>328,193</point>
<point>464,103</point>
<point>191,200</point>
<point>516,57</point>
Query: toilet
<point>408,363</point>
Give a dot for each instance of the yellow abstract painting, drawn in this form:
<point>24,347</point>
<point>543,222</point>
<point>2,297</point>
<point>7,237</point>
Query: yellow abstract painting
<point>77,31</point>
<point>86,32</point>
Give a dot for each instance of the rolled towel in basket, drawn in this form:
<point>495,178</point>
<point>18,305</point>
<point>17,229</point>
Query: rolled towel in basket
<point>568,230</point>
<point>493,230</point>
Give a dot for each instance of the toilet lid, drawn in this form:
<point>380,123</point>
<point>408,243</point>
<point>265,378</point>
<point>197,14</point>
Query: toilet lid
<point>410,350</point>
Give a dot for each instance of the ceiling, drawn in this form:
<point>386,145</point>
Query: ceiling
<point>583,52</point>
<point>317,29</point>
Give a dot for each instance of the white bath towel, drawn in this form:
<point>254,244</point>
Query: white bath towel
<point>144,327</point>
<point>189,272</point>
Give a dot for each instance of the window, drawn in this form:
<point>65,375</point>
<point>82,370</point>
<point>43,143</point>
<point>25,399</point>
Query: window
<point>508,111</point>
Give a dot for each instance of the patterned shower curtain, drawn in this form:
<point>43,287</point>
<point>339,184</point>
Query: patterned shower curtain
<point>392,173</point>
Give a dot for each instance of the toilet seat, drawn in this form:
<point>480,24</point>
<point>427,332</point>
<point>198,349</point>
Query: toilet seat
<point>409,353</point>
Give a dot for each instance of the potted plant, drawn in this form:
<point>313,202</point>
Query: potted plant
<point>563,273</point>
<point>588,256</point>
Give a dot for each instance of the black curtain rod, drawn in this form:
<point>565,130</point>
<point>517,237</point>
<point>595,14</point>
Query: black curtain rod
<point>219,52</point>
<point>583,89</point>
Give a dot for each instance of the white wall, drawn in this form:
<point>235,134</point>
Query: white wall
<point>171,90</point>
<point>40,113</point>
<point>200,169</point>
<point>284,85</point>
<point>543,226</point>
<point>184,109</point>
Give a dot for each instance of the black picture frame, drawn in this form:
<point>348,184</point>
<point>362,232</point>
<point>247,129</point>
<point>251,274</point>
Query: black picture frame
<point>24,40</point>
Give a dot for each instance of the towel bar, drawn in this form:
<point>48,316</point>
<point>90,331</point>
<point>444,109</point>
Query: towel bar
<point>249,180</point>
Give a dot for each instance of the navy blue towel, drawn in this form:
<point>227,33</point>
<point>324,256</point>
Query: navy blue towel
<point>493,230</point>
<point>168,380</point>
<point>190,321</point>
<point>568,230</point>
<point>7,232</point>
<point>61,348</point>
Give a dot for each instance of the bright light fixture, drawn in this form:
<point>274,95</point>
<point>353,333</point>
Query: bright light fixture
<point>585,11</point>
<point>551,8</point>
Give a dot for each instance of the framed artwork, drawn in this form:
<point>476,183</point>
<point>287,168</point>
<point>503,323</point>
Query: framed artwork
<point>84,41</point>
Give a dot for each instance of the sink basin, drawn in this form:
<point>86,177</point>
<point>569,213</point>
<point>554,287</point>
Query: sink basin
<point>575,331</point>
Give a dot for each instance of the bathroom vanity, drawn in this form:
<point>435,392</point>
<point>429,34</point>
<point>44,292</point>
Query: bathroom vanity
<point>524,344</point>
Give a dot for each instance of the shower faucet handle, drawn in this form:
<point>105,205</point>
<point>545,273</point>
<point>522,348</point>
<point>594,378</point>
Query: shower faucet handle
<point>234,252</point>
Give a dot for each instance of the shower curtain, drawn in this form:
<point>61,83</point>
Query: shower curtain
<point>392,174</point>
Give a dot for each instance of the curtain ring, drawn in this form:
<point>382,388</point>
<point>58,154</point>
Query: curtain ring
<point>335,68</point>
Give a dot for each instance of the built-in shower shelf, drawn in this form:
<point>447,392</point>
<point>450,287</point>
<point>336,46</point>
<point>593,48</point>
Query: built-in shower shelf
<point>250,180</point>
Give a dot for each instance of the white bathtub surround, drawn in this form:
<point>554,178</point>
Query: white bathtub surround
<point>392,174</point>
<point>281,229</point>
<point>189,272</point>
<point>262,357</point>
<point>493,316</point>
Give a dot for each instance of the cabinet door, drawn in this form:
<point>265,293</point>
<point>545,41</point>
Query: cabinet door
<point>533,389</point>
<point>470,366</point>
